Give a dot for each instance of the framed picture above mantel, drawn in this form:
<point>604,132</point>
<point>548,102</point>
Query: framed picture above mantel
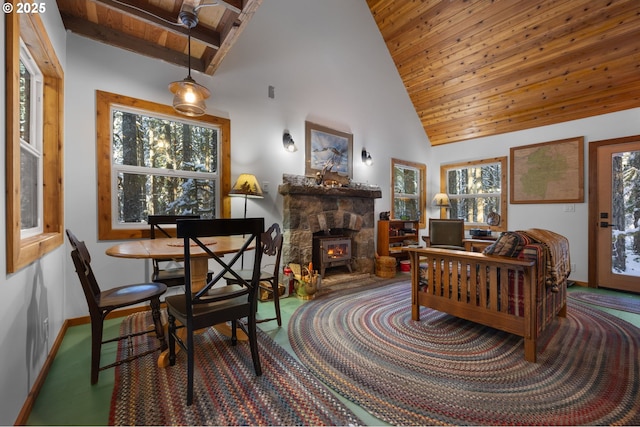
<point>549,172</point>
<point>328,152</point>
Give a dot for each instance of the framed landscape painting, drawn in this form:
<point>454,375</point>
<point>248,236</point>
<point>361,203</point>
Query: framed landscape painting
<point>550,172</point>
<point>329,152</point>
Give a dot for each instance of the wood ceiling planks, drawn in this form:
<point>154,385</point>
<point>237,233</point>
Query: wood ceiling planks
<point>478,68</point>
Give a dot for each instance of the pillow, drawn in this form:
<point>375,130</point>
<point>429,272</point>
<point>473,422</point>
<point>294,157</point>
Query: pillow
<point>510,243</point>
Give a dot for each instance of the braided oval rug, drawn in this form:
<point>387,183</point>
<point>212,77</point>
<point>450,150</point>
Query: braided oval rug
<point>444,370</point>
<point>226,390</point>
<point>629,303</point>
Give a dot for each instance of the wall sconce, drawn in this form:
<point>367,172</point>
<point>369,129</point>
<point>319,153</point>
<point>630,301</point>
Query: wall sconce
<point>288,142</point>
<point>366,157</point>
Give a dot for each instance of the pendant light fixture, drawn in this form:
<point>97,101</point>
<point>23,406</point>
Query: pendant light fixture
<point>189,96</point>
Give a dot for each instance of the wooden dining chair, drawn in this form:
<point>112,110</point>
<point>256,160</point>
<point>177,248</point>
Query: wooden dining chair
<point>169,272</point>
<point>202,308</point>
<point>271,247</point>
<point>101,303</point>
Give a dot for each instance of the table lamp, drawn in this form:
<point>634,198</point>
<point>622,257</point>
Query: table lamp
<point>247,186</point>
<point>441,200</point>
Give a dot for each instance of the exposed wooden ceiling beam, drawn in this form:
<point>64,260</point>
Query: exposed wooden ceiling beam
<point>233,5</point>
<point>116,38</point>
<point>163,18</point>
<point>231,32</point>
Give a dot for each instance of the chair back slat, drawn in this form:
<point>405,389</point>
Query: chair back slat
<point>156,223</point>
<point>219,227</point>
<point>272,246</point>
<point>82,262</point>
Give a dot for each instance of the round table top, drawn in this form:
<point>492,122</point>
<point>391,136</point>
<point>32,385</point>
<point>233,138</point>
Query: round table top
<point>171,248</point>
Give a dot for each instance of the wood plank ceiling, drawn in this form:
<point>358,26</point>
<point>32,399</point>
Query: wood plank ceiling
<point>476,68</point>
<point>152,27</point>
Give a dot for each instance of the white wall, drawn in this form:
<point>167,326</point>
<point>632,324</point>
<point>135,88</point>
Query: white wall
<point>573,225</point>
<point>33,294</point>
<point>329,65</point>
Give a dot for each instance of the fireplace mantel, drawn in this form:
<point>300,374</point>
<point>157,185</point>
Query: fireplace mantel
<point>296,184</point>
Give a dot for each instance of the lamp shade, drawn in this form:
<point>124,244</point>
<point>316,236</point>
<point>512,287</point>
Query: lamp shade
<point>189,97</point>
<point>441,200</point>
<point>247,185</point>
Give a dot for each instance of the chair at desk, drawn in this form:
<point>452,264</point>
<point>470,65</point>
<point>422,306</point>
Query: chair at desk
<point>169,272</point>
<point>446,234</point>
<point>272,247</point>
<point>101,303</point>
<point>213,305</point>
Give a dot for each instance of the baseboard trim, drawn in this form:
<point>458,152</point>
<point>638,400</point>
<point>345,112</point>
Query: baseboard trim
<point>24,413</point>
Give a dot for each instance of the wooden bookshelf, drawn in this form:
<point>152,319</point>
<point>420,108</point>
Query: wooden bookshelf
<point>395,235</point>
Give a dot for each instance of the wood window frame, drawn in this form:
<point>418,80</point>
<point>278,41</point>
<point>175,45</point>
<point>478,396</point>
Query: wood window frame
<point>423,188</point>
<point>104,101</point>
<point>23,251</point>
<point>503,191</point>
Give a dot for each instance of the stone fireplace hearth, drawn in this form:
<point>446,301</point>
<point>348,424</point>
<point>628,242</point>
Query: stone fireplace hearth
<point>310,209</point>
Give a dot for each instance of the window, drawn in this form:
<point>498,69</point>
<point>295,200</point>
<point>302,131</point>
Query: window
<point>162,166</point>
<point>30,88</point>
<point>408,190</point>
<point>34,90</point>
<point>475,191</point>
<point>154,161</point>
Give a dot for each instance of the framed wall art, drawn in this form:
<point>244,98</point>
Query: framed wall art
<point>328,152</point>
<point>550,172</point>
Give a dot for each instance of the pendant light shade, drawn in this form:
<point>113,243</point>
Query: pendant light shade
<point>189,96</point>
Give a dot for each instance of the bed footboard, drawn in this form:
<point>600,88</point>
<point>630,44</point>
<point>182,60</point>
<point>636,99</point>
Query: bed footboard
<point>479,288</point>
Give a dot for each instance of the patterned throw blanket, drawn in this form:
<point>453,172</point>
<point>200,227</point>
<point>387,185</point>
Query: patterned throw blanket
<point>557,266</point>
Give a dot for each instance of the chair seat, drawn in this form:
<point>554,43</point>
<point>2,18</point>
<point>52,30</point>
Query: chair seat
<point>221,310</point>
<point>130,294</point>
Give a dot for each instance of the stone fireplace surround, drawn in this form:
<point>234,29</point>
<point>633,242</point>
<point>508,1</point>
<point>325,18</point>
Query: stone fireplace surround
<point>310,208</point>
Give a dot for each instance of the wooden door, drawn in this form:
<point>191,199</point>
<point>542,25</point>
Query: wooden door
<point>617,225</point>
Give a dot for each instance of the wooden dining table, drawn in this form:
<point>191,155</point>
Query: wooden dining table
<point>173,249</point>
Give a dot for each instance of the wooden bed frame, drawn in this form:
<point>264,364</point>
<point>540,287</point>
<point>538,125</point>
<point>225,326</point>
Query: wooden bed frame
<point>448,288</point>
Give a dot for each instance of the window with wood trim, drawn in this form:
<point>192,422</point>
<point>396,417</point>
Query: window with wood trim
<point>152,160</point>
<point>476,189</point>
<point>408,191</point>
<point>34,90</point>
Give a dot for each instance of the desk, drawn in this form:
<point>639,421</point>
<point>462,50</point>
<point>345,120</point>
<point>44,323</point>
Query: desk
<point>173,248</point>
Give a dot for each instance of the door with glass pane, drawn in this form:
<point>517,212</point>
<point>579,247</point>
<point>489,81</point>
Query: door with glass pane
<point>618,235</point>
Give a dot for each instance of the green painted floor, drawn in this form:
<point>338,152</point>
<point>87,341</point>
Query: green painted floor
<point>67,397</point>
